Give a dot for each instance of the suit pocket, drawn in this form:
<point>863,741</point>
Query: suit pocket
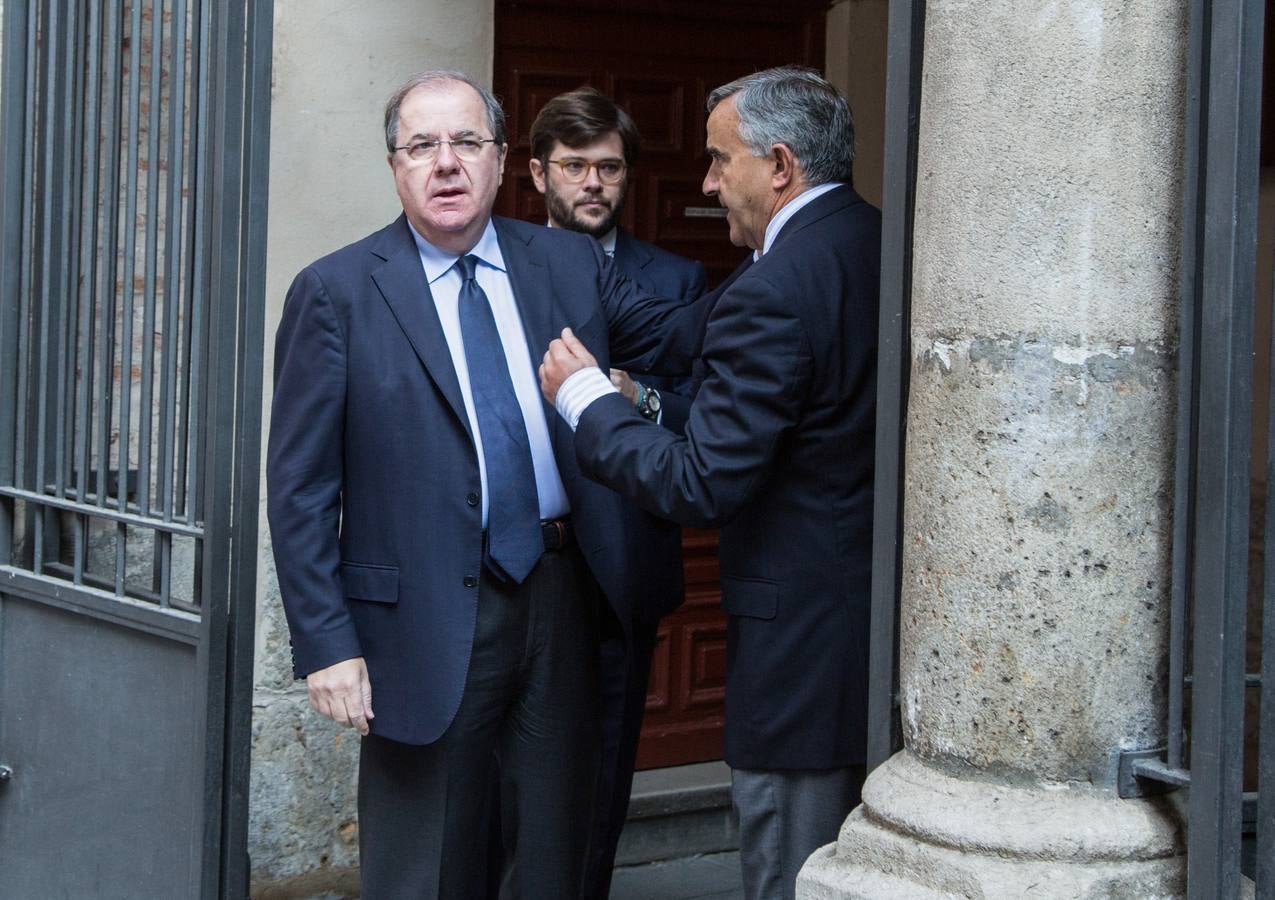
<point>751,597</point>
<point>376,584</point>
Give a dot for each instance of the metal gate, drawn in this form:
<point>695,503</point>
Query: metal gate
<point>1222,657</point>
<point>132,226</point>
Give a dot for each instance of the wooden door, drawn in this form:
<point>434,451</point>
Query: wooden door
<point>659,60</point>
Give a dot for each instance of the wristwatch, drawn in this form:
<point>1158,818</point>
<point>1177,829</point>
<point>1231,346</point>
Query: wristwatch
<point>648,402</point>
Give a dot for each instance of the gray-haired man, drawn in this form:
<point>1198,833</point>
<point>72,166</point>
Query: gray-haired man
<point>777,452</point>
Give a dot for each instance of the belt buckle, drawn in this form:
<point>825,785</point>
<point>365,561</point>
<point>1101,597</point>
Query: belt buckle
<point>562,532</point>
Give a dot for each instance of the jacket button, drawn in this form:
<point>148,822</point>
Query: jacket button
<point>472,498</point>
<point>470,581</point>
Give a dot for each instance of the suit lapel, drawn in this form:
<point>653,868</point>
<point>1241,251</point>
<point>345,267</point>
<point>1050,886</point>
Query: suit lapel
<point>628,251</point>
<point>401,281</point>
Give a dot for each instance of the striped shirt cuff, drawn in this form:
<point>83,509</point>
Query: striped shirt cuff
<point>579,390</point>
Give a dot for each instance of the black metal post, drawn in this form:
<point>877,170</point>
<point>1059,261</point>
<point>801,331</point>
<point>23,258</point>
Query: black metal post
<point>243,580</point>
<point>902,115</point>
<point>1229,74</point>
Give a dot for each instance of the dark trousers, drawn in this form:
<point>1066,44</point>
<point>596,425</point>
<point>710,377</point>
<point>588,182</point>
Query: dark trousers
<point>530,703</point>
<point>623,671</point>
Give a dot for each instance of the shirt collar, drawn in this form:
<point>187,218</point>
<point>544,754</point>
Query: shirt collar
<point>438,262</point>
<point>607,240</point>
<point>790,209</point>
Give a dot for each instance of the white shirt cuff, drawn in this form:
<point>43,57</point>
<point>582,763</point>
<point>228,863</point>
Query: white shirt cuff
<point>579,390</point>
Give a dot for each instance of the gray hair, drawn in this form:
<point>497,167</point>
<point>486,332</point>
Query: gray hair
<point>797,107</point>
<point>495,114</point>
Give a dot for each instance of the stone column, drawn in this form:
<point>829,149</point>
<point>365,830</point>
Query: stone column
<point>1037,514</point>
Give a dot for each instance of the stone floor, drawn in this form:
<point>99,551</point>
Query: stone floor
<point>713,876</point>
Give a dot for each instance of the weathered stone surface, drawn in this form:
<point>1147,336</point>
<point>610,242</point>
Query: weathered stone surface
<point>303,825</point>
<point>1049,169</point>
<point>303,810</point>
<point>924,833</point>
<point>1037,527</point>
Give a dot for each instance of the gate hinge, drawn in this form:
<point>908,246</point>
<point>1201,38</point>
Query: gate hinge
<point>1144,773</point>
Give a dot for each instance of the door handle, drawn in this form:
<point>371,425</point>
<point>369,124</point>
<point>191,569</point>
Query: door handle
<point>6,774</point>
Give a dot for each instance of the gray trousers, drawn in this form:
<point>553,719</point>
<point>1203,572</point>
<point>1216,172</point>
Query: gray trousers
<point>784,816</point>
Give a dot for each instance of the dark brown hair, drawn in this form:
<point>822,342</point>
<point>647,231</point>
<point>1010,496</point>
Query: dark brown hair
<point>580,117</point>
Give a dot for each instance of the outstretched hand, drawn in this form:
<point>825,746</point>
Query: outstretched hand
<point>565,357</point>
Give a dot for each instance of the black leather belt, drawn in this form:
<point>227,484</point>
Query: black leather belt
<point>557,533</point>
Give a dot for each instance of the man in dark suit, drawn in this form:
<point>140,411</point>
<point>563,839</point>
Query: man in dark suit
<point>777,452</point>
<point>439,554</point>
<point>583,148</point>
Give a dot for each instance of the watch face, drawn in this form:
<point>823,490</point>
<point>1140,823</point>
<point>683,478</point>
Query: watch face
<point>652,400</point>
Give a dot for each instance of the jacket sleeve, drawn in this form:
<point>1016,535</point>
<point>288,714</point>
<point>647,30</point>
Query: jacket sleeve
<point>677,394</point>
<point>758,364</point>
<point>647,333</point>
<point>304,470</point>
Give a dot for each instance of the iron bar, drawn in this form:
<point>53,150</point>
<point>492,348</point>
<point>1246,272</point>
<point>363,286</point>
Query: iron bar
<point>81,544</point>
<point>120,517</point>
<point>1230,78</point>
<point>174,246</point>
<point>222,278</point>
<point>1265,800</point>
<point>1158,771</point>
<point>903,107</point>
<point>242,600</point>
<point>26,296</point>
<point>128,293</point>
<point>48,282</point>
<point>110,225</point>
<point>1188,390</point>
<point>149,290</point>
<point>199,307</point>
<point>89,212</point>
<point>100,603</point>
<point>69,139</point>
<point>18,24</point>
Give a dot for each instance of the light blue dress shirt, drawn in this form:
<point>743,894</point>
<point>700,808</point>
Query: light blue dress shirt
<point>493,278</point>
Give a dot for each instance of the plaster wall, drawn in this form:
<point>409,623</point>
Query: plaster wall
<point>335,64</point>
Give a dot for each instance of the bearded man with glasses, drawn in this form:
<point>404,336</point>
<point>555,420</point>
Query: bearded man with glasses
<point>440,557</point>
<point>583,147</point>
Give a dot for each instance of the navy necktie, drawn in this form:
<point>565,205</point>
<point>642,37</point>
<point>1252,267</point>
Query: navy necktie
<point>514,542</point>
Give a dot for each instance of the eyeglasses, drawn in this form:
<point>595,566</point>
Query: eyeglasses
<point>466,149</point>
<point>575,170</point>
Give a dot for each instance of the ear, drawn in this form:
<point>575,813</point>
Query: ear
<point>538,174</point>
<point>504,155</point>
<point>783,173</point>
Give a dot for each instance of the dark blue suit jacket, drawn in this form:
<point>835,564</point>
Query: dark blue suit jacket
<point>372,473</point>
<point>778,452</point>
<point>658,542</point>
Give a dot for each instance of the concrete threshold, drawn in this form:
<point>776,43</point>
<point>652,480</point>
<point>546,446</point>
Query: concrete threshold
<point>678,812</point>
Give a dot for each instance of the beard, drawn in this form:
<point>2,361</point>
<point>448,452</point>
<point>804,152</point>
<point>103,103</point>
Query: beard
<point>563,212</point>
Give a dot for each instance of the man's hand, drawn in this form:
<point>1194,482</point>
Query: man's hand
<point>625,385</point>
<point>566,356</point>
<point>343,693</point>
